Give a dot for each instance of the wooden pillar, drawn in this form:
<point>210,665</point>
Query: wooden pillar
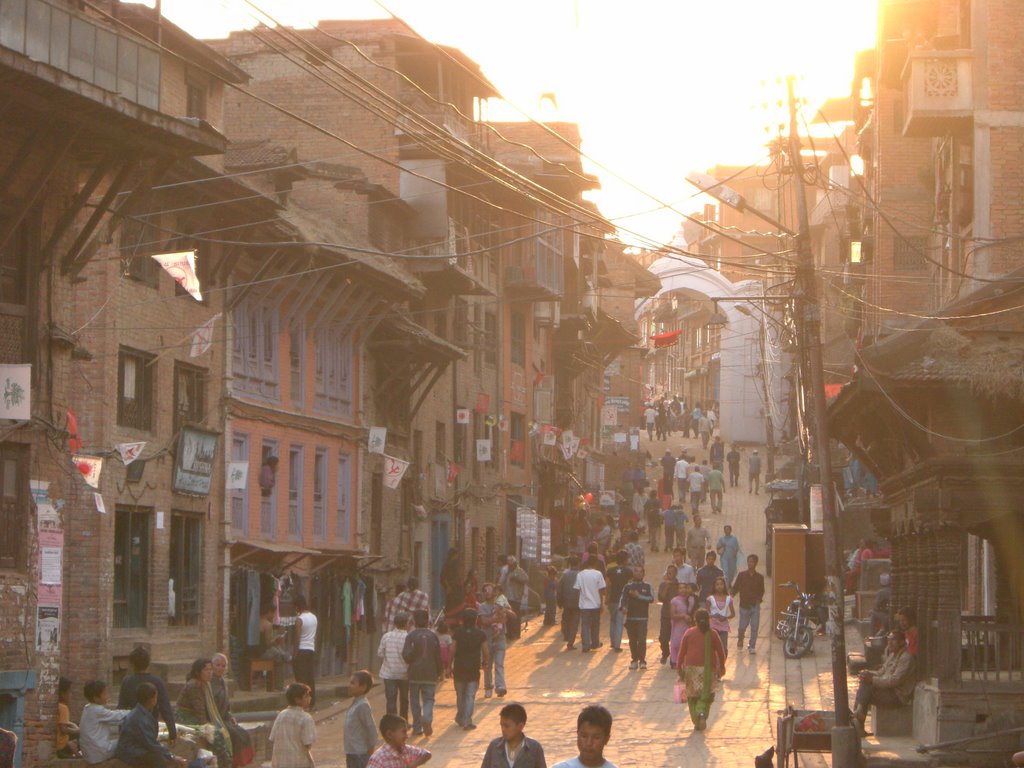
<point>901,593</point>
<point>946,653</point>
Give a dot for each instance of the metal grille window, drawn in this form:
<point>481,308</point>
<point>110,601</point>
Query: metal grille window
<point>14,509</point>
<point>490,338</point>
<point>186,559</point>
<point>320,493</point>
<point>295,456</point>
<point>344,496</point>
<point>254,350</point>
<point>189,395</point>
<point>135,374</point>
<point>131,566</point>
<point>908,254</point>
<point>240,496</point>
<point>518,338</point>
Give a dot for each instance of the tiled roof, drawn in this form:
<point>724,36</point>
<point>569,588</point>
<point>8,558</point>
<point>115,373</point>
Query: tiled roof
<point>257,154</point>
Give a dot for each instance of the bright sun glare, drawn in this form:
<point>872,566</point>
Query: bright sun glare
<point>659,87</point>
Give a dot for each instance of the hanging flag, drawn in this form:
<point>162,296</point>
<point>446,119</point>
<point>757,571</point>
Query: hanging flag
<point>100,506</point>
<point>378,438</point>
<point>566,451</point>
<point>90,467</point>
<point>129,451</point>
<point>16,381</point>
<point>462,415</point>
<point>517,451</point>
<point>483,403</point>
<point>483,450</point>
<point>567,437</point>
<point>453,472</point>
<point>182,268</point>
<point>666,339</point>
<point>74,439</point>
<point>550,437</point>
<point>582,453</point>
<point>394,470</point>
<point>238,475</point>
<point>574,446</point>
<point>203,337</point>
<point>503,424</point>
<point>609,416</point>
<point>538,379</point>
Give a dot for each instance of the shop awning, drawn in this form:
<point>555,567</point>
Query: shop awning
<point>326,557</point>
<point>272,556</point>
<point>666,339</point>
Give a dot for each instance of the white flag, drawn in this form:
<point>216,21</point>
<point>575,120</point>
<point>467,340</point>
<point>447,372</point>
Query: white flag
<point>483,450</point>
<point>566,451</point>
<point>203,337</point>
<point>378,438</point>
<point>182,268</point>
<point>90,467</point>
<point>462,415</point>
<point>129,451</point>
<point>567,437</point>
<point>238,475</point>
<point>609,416</point>
<point>394,470</point>
<point>574,445</point>
<point>16,381</point>
<point>100,506</point>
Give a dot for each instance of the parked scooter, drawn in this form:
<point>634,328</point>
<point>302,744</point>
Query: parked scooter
<point>794,627</point>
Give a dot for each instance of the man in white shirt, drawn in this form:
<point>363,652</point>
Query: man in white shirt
<point>696,489</point>
<point>649,418</point>
<point>99,726</point>
<point>681,471</point>
<point>685,573</point>
<point>590,582</point>
<point>394,670</point>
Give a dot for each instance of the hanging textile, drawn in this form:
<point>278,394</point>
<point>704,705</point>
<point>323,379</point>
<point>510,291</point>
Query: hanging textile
<point>252,607</point>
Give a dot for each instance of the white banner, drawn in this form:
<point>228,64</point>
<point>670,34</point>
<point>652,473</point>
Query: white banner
<point>607,498</point>
<point>182,268</point>
<point>17,386</point>
<point>378,439</point>
<point>462,415</point>
<point>566,451</point>
<point>90,467</point>
<point>609,416</point>
<point>203,337</point>
<point>567,437</point>
<point>100,506</point>
<point>238,475</point>
<point>483,450</point>
<point>129,451</point>
<point>550,438</point>
<point>394,470</point>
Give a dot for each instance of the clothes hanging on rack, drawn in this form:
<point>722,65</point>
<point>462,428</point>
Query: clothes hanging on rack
<point>252,607</point>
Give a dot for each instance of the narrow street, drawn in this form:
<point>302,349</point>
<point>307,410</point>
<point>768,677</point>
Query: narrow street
<point>649,730</point>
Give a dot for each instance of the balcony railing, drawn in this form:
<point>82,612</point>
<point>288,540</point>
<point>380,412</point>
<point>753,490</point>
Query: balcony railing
<point>938,93</point>
<point>442,115</point>
<point>991,652</point>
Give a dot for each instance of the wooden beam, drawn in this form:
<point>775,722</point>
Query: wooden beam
<point>251,282</point>
<point>24,152</point>
<point>102,208</point>
<point>331,305</point>
<point>76,205</point>
<point>376,316</point>
<point>313,292</point>
<point>306,283</point>
<point>426,391</point>
<point>350,318</point>
<point>36,188</point>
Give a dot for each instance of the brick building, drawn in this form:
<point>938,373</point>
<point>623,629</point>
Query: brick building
<point>82,582</point>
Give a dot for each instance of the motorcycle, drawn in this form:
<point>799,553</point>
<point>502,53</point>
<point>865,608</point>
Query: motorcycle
<point>794,625</point>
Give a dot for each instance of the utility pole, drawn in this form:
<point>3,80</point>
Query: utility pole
<point>845,742</point>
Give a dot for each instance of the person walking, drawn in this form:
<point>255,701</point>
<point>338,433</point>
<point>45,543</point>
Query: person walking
<point>706,577</point>
<point>469,652</point>
<point>666,591</point>
<point>422,652</point>
<point>592,588</point>
<point>732,458</point>
<point>634,550</point>
<point>720,608</point>
<point>304,655</point>
<point>569,602</point>
<point>669,516</point>
<point>551,596</point>
<point>728,549</point>
<point>754,473</point>
<point>684,571</point>
<point>494,612</point>
<point>716,487</point>
<point>636,603</point>
<point>394,670</point>
<point>717,453</point>
<point>749,586</point>
<point>697,541</point>
<point>701,666</point>
<point>683,606</point>
<point>655,520</point>
<point>650,416</point>
<point>704,425</point>
<point>517,589</point>
<point>695,417</point>
<point>513,749</point>
<point>696,482</point>
<point>618,576</point>
<point>668,468</point>
<point>681,472</point>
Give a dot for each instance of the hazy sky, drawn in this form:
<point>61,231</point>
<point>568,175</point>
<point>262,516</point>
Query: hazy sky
<point>658,87</point>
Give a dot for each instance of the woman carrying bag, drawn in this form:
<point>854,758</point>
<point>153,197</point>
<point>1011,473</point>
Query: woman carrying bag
<point>701,666</point>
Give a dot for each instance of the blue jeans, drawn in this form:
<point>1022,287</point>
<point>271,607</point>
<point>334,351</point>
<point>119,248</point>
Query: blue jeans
<point>494,672</point>
<point>356,761</point>
<point>616,621</point>
<point>590,627</point>
<point>465,693</point>
<point>396,696</point>
<point>426,715</point>
<point>751,617</point>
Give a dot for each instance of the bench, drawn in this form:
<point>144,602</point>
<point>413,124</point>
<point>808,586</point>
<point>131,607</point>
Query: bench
<point>892,721</point>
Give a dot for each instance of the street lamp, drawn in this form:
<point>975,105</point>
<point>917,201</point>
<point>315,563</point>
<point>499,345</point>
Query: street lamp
<point>709,185</point>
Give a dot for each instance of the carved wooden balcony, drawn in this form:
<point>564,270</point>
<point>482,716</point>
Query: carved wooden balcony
<point>938,93</point>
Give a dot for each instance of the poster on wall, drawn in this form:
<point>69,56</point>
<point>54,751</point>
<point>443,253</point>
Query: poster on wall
<point>377,439</point>
<point>47,628</point>
<point>193,469</point>
<point>609,416</point>
<point>817,509</point>
<point>16,381</point>
<point>483,450</point>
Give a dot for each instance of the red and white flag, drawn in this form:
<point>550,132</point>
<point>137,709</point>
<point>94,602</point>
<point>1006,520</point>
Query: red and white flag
<point>182,268</point>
